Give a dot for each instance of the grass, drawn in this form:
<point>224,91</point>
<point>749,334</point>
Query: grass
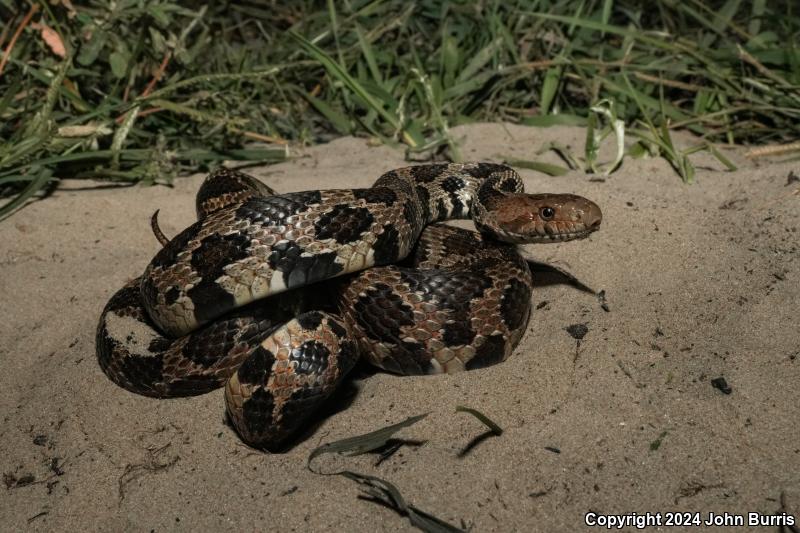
<point>144,91</point>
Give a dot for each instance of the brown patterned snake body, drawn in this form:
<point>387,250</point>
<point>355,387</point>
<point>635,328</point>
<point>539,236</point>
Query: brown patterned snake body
<point>236,298</point>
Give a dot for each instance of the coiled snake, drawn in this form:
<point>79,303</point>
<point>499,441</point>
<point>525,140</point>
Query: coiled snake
<point>455,299</point>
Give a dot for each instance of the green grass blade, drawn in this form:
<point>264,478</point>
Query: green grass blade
<point>561,119</point>
<point>724,15</point>
<point>545,168</point>
<point>336,70</point>
<point>480,59</point>
<point>369,56</point>
<point>730,165</point>
<point>42,177</point>
<point>337,119</point>
<point>549,88</point>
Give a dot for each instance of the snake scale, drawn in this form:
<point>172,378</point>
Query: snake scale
<point>276,296</point>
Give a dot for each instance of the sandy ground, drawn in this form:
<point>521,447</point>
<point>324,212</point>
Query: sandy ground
<point>701,282</point>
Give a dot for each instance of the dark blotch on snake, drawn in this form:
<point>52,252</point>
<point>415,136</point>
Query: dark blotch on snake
<point>300,404</point>
<point>419,253</point>
<point>348,355</point>
<point>460,209</point>
<point>454,289</point>
<point>390,176</point>
<point>159,344</point>
<point>489,353</point>
<point>387,245</point>
<point>142,369</point>
<point>147,290</point>
<point>337,328</point>
<point>172,294</point>
<point>216,251</point>
<point>311,357</point>
<point>224,185</point>
<point>509,185</point>
<point>210,300</point>
<point>461,243</point>
<point>394,181</point>
<point>410,358</point>
<point>210,345</point>
<point>411,214</point>
<point>256,368</point>
<point>284,255</point>
<point>310,320</point>
<point>380,313</point>
<point>168,255</point>
<point>306,398</point>
<point>311,269</point>
<point>515,304</point>
<point>458,333</point>
<point>441,209</point>
<point>343,223</point>
<point>299,270</point>
<point>481,170</point>
<point>452,184</point>
<point>492,188</point>
<point>424,202</point>
<point>257,412</point>
<point>274,210</point>
<point>376,195</point>
<point>428,173</point>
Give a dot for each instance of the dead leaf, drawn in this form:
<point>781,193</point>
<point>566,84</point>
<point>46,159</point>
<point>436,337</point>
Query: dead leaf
<point>51,38</point>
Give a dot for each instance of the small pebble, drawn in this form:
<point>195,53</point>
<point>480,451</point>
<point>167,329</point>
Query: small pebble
<point>721,385</point>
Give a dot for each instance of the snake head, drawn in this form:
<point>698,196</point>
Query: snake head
<point>532,218</point>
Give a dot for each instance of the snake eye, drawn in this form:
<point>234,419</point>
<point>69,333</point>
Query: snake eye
<point>547,213</point>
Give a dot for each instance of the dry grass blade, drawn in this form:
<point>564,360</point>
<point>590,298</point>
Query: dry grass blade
<point>489,423</point>
<point>604,110</point>
<point>376,488</point>
<point>387,494</point>
<point>40,180</point>
<point>764,151</point>
<point>364,443</point>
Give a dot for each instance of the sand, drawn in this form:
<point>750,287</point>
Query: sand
<point>701,282</point>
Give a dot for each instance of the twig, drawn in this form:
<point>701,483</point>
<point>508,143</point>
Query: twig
<point>151,85</point>
<point>265,138</point>
<point>32,11</point>
<point>150,111</point>
<point>669,83</point>
<point>158,74</point>
<point>762,151</point>
<point>747,58</point>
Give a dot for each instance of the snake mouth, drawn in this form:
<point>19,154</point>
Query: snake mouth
<point>573,235</point>
<point>547,234</point>
<point>560,237</point>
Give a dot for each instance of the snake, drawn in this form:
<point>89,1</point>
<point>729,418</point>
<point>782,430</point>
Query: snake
<point>277,296</point>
